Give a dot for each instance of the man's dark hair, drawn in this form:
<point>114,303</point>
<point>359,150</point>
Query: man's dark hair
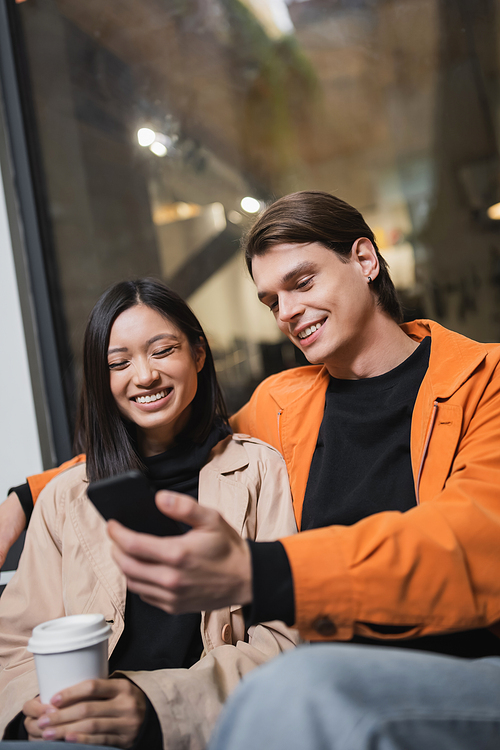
<point>102,432</point>
<point>314,216</point>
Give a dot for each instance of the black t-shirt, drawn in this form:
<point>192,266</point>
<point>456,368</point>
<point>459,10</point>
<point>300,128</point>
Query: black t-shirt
<point>361,464</point>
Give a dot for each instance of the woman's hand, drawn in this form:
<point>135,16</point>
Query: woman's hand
<point>209,567</point>
<point>94,712</point>
<point>33,710</point>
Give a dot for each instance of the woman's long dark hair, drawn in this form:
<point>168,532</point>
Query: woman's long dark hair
<point>101,431</point>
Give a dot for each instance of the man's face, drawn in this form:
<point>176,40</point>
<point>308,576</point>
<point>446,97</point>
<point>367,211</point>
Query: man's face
<point>323,305</point>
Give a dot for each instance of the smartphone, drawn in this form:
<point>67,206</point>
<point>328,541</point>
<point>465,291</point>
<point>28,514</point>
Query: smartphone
<point>130,499</point>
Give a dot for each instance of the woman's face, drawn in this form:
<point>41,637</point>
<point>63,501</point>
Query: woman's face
<point>153,375</point>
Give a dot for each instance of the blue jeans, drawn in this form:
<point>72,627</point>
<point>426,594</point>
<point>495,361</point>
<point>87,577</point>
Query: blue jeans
<point>346,697</point>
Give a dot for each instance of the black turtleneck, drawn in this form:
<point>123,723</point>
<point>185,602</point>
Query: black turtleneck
<point>154,639</point>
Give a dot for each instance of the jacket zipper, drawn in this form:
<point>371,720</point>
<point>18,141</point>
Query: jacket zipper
<point>279,433</point>
<point>426,447</point>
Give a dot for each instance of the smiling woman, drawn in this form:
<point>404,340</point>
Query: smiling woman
<point>142,339</point>
<point>150,401</point>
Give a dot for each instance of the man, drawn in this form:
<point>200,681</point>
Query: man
<point>392,448</point>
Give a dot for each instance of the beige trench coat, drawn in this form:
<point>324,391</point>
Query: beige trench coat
<point>66,568</point>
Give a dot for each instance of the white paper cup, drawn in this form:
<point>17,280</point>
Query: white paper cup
<point>69,650</point>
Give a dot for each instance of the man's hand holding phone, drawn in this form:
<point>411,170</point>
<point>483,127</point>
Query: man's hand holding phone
<point>207,568</point>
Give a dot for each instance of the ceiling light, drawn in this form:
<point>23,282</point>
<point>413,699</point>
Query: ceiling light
<point>166,213</point>
<point>158,148</point>
<point>250,205</point>
<point>145,136</point>
<point>494,212</point>
<point>235,217</point>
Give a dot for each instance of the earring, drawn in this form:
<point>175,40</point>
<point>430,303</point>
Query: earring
<point>369,279</point>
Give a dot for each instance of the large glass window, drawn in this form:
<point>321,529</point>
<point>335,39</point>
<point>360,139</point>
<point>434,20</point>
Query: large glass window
<point>163,125</point>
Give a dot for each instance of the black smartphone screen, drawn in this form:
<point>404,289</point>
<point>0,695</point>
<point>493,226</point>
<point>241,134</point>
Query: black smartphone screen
<point>130,499</point>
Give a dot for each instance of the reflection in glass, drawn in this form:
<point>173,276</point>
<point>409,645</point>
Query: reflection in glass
<point>163,128</point>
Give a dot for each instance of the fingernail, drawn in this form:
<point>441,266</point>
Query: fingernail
<point>56,700</point>
<point>49,734</point>
<point>43,721</point>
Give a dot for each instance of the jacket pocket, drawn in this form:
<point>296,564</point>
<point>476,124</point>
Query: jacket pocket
<point>441,451</point>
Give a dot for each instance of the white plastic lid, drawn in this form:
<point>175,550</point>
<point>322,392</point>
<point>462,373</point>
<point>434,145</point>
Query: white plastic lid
<point>68,634</point>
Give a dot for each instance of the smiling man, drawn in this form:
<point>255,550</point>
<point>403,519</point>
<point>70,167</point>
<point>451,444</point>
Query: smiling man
<point>391,440</point>
<point>391,443</point>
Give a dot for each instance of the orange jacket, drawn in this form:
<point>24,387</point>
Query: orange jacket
<point>38,481</point>
<point>434,568</point>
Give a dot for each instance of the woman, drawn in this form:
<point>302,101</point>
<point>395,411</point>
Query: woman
<point>150,400</point>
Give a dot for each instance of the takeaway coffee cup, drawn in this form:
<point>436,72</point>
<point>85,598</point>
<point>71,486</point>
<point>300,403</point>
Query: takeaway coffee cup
<point>69,650</point>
